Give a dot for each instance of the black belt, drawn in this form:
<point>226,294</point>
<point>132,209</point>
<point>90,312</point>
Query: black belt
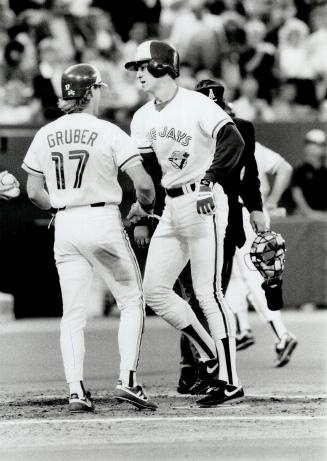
<point>91,204</point>
<point>177,191</point>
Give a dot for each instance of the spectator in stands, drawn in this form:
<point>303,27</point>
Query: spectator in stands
<point>259,59</point>
<point>234,44</point>
<point>288,105</point>
<point>16,104</point>
<point>294,61</point>
<point>282,12</point>
<point>249,106</point>
<point>193,31</point>
<point>125,13</point>
<point>310,178</point>
<point>46,83</point>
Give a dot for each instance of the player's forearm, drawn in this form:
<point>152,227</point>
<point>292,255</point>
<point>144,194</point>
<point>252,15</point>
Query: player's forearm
<point>40,198</point>
<point>300,201</point>
<point>281,182</point>
<point>229,147</point>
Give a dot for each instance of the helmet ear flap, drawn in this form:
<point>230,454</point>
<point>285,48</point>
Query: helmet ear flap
<point>157,69</point>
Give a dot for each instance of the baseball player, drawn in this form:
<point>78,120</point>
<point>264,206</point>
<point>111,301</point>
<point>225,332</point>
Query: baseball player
<point>246,284</point>
<point>196,144</point>
<point>249,189</point>
<point>77,157</point>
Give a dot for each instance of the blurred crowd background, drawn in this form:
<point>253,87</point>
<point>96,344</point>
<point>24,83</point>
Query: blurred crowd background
<point>271,54</point>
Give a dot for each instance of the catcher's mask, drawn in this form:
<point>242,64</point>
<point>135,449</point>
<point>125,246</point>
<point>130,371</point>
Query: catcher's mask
<point>161,59</point>
<point>268,256</point>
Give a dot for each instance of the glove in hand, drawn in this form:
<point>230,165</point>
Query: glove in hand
<point>205,204</point>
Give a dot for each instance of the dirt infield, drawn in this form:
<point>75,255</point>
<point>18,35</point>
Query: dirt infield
<point>283,416</point>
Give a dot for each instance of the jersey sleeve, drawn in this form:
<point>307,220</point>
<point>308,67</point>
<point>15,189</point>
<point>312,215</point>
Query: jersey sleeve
<point>31,163</point>
<point>212,117</point>
<point>126,153</point>
<point>140,136</point>
<point>267,159</point>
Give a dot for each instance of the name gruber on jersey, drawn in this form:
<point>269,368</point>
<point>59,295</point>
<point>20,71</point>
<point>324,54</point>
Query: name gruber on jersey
<point>179,136</point>
<point>71,137</point>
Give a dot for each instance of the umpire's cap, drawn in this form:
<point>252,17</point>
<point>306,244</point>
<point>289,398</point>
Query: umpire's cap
<point>161,57</point>
<point>214,89</point>
<point>79,78</point>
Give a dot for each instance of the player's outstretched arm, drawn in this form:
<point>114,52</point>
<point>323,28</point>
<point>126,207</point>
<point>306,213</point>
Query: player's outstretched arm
<point>143,184</point>
<point>145,193</point>
<point>37,193</point>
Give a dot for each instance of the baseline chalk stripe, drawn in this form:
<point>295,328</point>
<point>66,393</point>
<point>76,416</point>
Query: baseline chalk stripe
<point>30,422</point>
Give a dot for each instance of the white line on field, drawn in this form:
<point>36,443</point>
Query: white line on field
<point>252,396</point>
<point>30,422</point>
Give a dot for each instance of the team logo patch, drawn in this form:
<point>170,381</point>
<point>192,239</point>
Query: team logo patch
<point>179,159</point>
<point>67,86</point>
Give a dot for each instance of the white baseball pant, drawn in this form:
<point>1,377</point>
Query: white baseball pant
<point>183,234</point>
<point>88,239</point>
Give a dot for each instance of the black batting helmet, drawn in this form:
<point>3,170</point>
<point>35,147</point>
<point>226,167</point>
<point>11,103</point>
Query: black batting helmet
<point>79,78</point>
<point>214,89</point>
<point>161,58</point>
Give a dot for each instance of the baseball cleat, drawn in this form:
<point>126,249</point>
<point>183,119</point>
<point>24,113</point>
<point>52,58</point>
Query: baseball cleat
<point>244,340</point>
<point>219,393</point>
<point>80,405</point>
<point>135,396</point>
<point>186,380</point>
<point>206,372</point>
<point>284,349</point>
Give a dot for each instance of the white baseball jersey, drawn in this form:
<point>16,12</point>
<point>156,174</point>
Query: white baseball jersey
<point>80,164</point>
<point>267,162</point>
<point>182,134</point>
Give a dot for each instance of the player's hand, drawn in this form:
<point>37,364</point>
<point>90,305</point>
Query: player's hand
<point>9,186</point>
<point>258,221</point>
<point>141,236</point>
<point>205,203</point>
<point>136,213</point>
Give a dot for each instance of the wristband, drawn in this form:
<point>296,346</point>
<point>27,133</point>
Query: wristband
<point>207,183</point>
<point>147,207</point>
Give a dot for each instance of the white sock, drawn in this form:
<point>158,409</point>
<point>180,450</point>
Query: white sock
<point>76,388</point>
<point>243,320</point>
<point>128,378</point>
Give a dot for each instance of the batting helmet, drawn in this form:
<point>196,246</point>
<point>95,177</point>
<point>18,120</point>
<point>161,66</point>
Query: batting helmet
<point>79,78</point>
<point>213,89</point>
<point>162,59</point>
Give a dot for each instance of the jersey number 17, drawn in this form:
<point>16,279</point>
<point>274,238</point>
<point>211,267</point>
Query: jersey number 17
<point>81,155</point>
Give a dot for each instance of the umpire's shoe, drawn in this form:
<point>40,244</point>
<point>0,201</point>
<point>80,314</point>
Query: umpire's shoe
<point>135,396</point>
<point>80,405</point>
<point>206,372</point>
<point>285,349</point>
<point>186,379</point>
<point>219,393</point>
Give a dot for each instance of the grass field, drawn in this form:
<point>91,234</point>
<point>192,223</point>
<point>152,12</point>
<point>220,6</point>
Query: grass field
<point>283,416</point>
